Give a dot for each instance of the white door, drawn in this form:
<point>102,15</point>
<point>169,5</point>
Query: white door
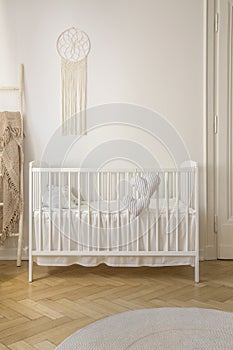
<point>224,137</point>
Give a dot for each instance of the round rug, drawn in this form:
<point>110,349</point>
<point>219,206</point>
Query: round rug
<point>163,328</point>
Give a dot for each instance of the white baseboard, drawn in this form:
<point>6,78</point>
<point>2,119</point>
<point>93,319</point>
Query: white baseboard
<point>225,251</point>
<point>210,253</point>
<point>11,254</point>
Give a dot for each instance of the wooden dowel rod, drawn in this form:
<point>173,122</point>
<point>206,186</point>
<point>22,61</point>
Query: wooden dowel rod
<point>21,84</point>
<point>10,88</point>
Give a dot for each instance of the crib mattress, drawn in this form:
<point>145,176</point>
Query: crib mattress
<point>115,206</point>
<point>99,231</point>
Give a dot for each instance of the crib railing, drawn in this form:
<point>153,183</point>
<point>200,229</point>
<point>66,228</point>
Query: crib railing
<point>111,185</point>
<point>56,193</point>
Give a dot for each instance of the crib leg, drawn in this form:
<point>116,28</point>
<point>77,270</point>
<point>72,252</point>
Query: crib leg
<point>197,269</point>
<point>30,277</point>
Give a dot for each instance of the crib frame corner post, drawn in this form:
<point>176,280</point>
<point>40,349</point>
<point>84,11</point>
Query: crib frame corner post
<point>196,272</point>
<point>30,275</point>
<point>30,271</point>
<point>197,225</point>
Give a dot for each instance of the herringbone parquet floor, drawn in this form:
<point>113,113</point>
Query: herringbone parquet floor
<point>63,299</point>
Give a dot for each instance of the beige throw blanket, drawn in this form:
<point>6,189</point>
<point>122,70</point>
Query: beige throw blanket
<point>11,146</point>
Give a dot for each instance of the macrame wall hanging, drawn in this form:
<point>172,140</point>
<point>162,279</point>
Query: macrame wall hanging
<point>73,45</point>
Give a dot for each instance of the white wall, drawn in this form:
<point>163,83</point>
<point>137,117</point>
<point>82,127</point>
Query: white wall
<point>148,53</point>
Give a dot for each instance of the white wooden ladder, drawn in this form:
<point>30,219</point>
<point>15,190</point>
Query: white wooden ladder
<point>19,234</point>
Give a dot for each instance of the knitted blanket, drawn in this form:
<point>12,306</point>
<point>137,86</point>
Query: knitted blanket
<point>11,146</point>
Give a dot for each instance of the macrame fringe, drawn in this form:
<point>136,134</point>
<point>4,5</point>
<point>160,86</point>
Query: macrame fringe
<point>18,203</point>
<point>74,83</point>
<point>11,133</point>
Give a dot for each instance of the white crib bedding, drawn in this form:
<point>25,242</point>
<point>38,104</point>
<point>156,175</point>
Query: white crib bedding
<point>115,206</point>
<point>102,231</point>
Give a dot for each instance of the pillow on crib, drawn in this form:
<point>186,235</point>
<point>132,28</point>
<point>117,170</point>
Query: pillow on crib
<point>140,184</point>
<point>64,198</point>
<point>135,206</point>
<point>146,188</point>
<point>153,182</point>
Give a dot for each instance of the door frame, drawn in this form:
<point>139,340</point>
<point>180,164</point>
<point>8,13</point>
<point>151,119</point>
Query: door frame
<point>211,142</point>
<point>210,103</point>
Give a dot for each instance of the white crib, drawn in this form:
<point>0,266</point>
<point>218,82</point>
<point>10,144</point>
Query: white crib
<point>77,216</point>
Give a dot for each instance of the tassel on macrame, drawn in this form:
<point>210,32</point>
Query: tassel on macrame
<point>73,46</point>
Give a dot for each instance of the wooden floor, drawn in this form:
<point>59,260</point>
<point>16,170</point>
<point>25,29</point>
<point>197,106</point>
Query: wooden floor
<point>63,299</point>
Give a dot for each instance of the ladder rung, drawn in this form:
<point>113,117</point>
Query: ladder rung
<point>10,88</point>
<point>13,234</point>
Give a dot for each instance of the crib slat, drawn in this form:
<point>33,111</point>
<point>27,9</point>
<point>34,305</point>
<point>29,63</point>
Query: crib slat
<point>35,200</point>
<point>108,210</point>
<point>88,214</point>
<point>69,199</point>
<point>32,237</point>
<point>34,191</point>
<point>177,211</point>
<point>128,218</point>
<point>137,235</point>
<point>157,219</point>
<point>137,220</point>
<point>147,229</point>
<point>79,211</point>
<point>196,204</point>
<point>167,210</point>
<point>118,211</point>
<point>186,209</point>
<point>50,211</point>
<point>59,219</point>
<point>40,210</point>
<point>174,185</point>
<point>98,193</point>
